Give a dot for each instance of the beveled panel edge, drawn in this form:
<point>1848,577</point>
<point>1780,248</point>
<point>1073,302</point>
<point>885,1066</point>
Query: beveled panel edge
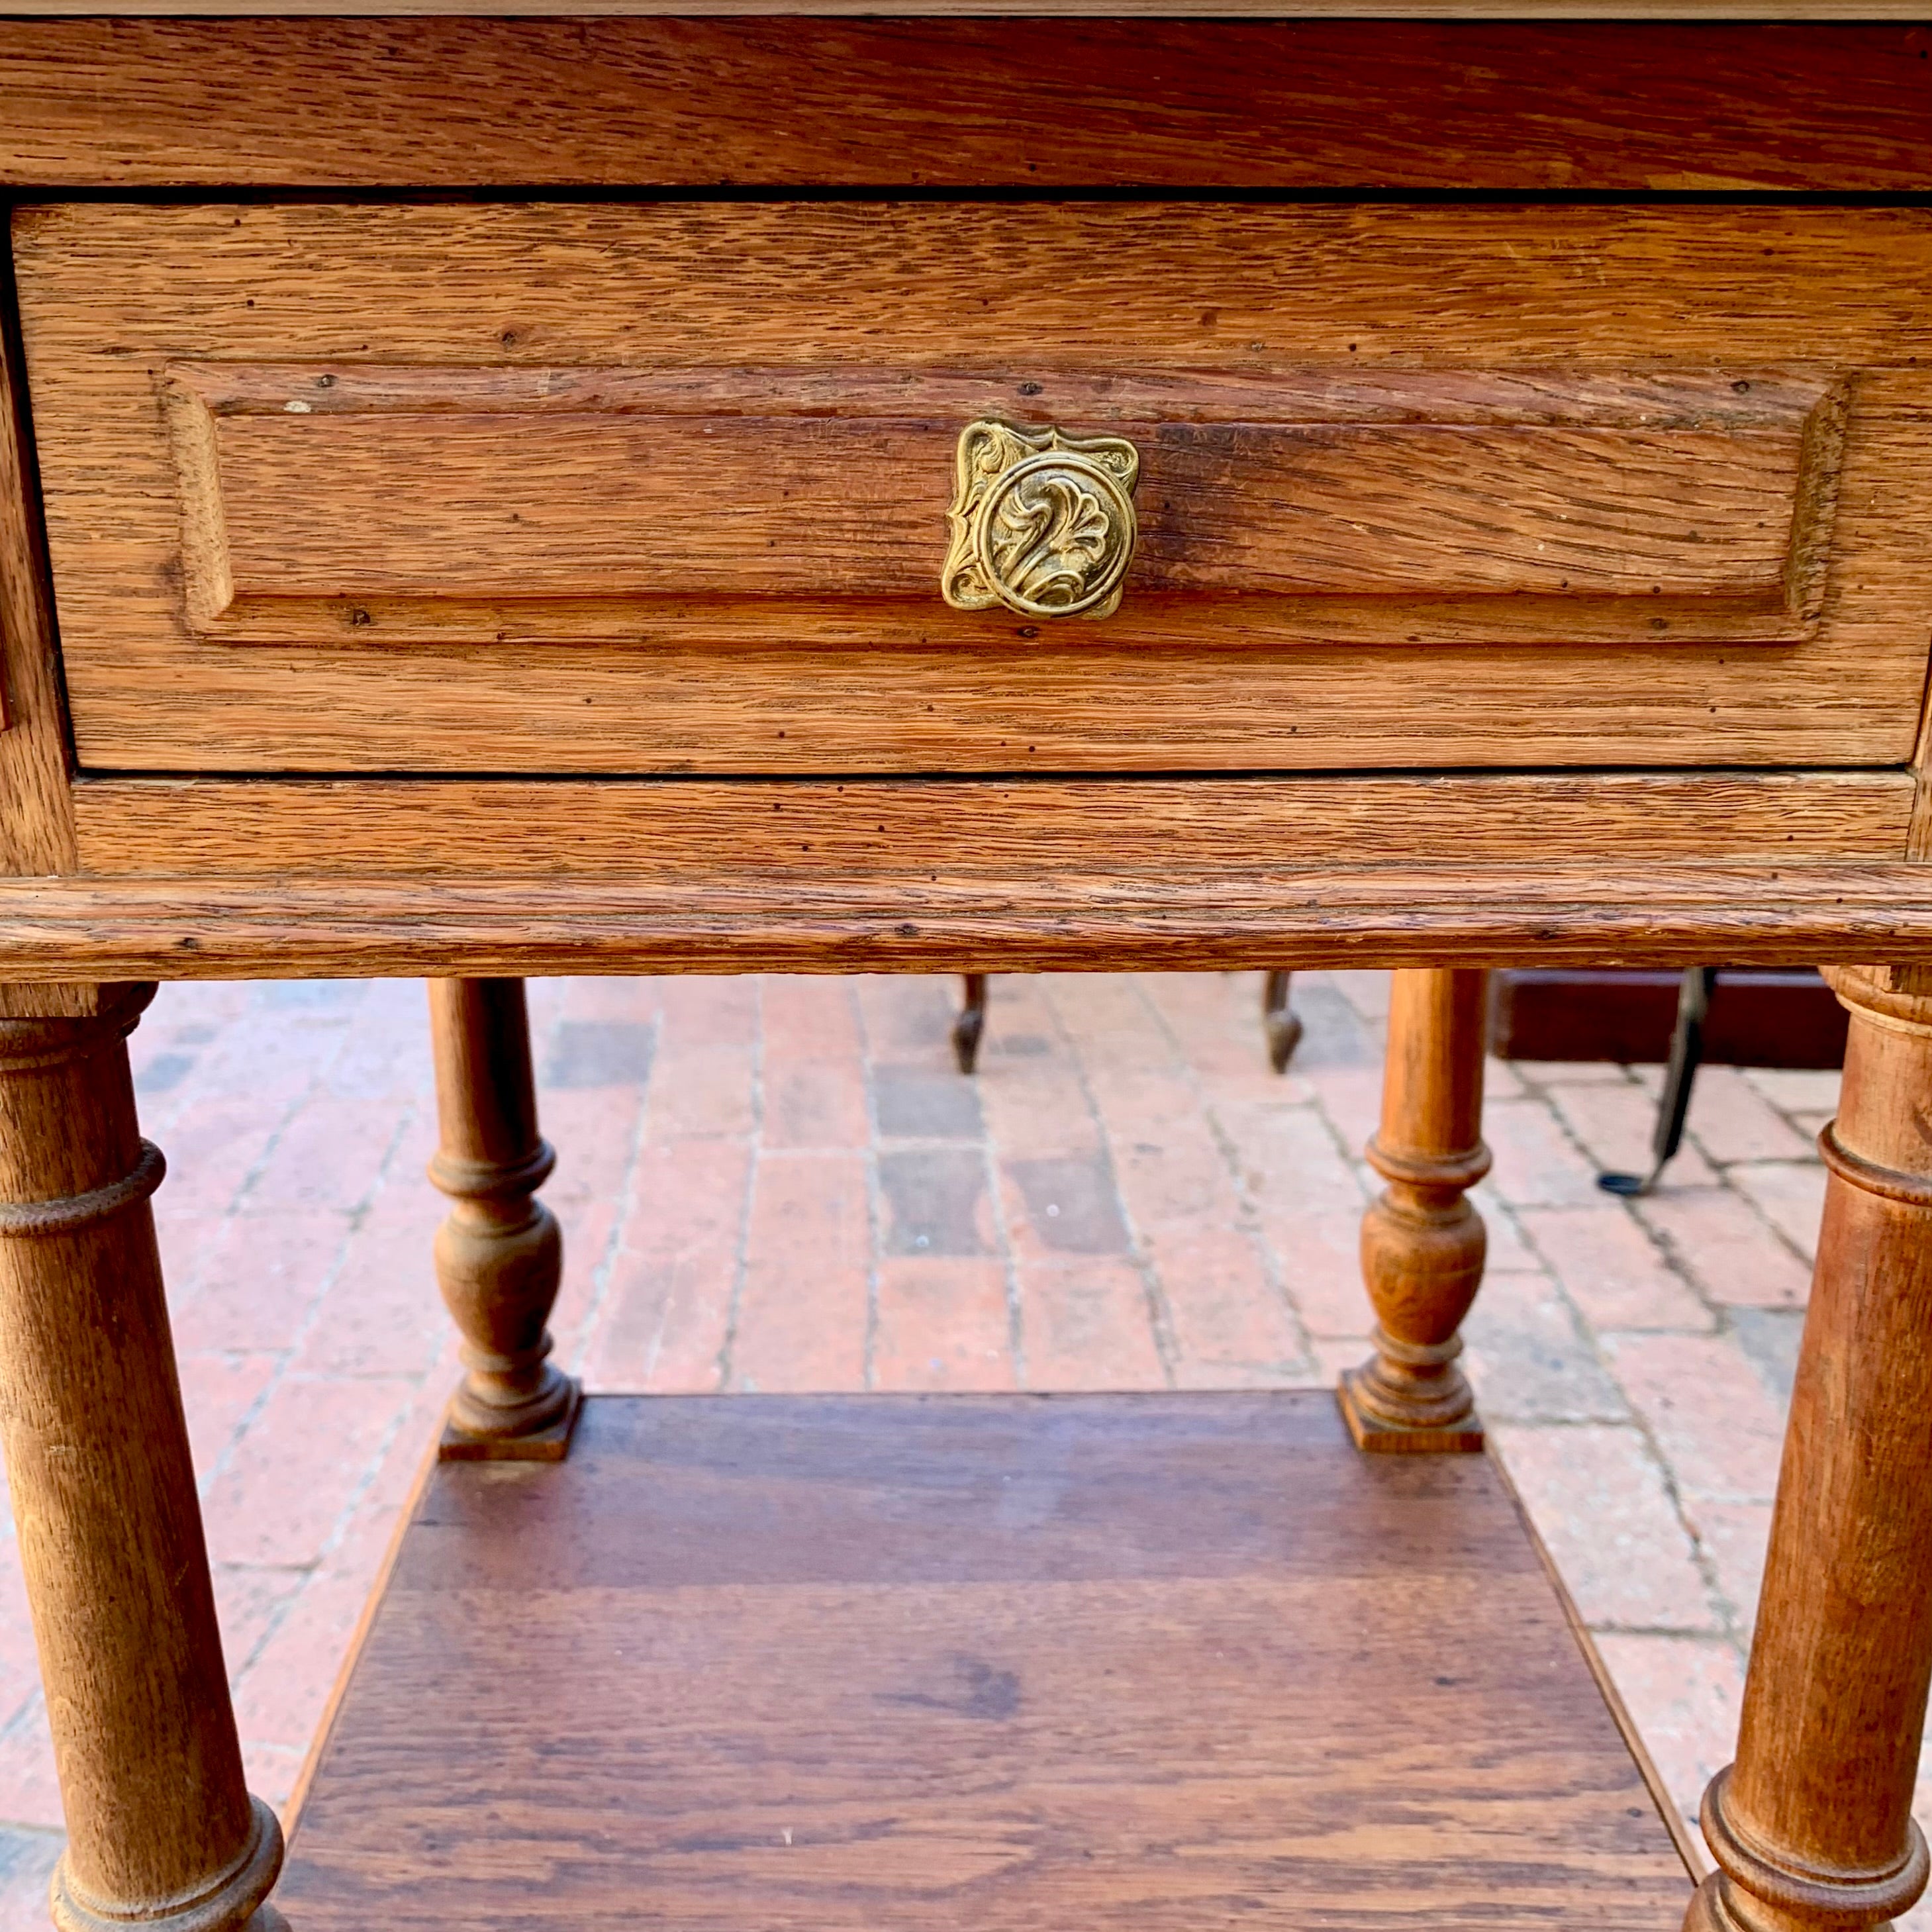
<point>1741,413</point>
<point>1745,394</point>
<point>428,1463</point>
<point>36,796</point>
<point>1657,916</point>
<point>1689,1846</point>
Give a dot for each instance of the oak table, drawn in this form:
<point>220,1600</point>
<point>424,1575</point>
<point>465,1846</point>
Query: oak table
<point>594,492</point>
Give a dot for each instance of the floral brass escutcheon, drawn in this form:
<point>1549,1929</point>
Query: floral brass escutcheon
<point>1042,523</point>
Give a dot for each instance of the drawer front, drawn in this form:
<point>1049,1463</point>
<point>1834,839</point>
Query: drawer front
<point>666,489</point>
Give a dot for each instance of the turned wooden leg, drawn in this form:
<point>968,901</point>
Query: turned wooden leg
<point>1811,1828</point>
<point>161,1828</point>
<point>1280,1026</point>
<point>499,1255</point>
<point>1422,1243</point>
<point>970,1022</point>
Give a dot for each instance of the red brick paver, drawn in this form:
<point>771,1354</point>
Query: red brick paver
<point>772,1184</point>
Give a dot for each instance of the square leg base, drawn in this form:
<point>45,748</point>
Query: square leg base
<point>1375,1437</point>
<point>543,1445</point>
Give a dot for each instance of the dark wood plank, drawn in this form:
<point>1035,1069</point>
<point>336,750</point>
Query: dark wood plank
<point>1789,11</point>
<point>1784,10</point>
<point>1758,1017</point>
<point>345,103</point>
<point>1144,1661</point>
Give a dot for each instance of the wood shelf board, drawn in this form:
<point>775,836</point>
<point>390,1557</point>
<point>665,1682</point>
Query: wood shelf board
<point>1148,1661</point>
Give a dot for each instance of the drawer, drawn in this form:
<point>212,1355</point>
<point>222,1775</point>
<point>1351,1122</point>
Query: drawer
<point>683,488</point>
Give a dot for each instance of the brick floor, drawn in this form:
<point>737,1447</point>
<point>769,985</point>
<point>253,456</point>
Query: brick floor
<point>782,1183</point>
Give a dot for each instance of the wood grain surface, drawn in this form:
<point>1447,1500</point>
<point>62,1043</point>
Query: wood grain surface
<point>923,829</point>
<point>1424,9</point>
<point>1579,914</point>
<point>345,104</point>
<point>1142,1661</point>
<point>307,493</point>
<point>111,295</point>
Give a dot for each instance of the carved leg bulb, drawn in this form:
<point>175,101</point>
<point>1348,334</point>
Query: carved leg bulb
<point>161,1829</point>
<point>1811,1828</point>
<point>1422,1244</point>
<point>499,1255</point>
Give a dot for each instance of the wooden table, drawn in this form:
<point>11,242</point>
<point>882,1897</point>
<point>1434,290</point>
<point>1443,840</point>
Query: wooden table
<point>1428,493</point>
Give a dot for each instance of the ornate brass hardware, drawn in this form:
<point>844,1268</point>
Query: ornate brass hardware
<point>1041,523</point>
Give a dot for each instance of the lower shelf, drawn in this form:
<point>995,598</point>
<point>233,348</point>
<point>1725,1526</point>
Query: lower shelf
<point>1048,1662</point>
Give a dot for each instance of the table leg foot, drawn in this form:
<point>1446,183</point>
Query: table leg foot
<point>1422,1244</point>
<point>1811,1828</point>
<point>162,1832</point>
<point>500,1254</point>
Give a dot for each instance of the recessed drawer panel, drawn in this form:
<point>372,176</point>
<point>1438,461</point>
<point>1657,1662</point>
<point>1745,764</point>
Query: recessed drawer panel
<point>688,488</point>
<point>584,502</point>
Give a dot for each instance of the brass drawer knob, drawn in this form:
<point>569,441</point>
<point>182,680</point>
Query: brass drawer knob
<point>1041,523</point>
